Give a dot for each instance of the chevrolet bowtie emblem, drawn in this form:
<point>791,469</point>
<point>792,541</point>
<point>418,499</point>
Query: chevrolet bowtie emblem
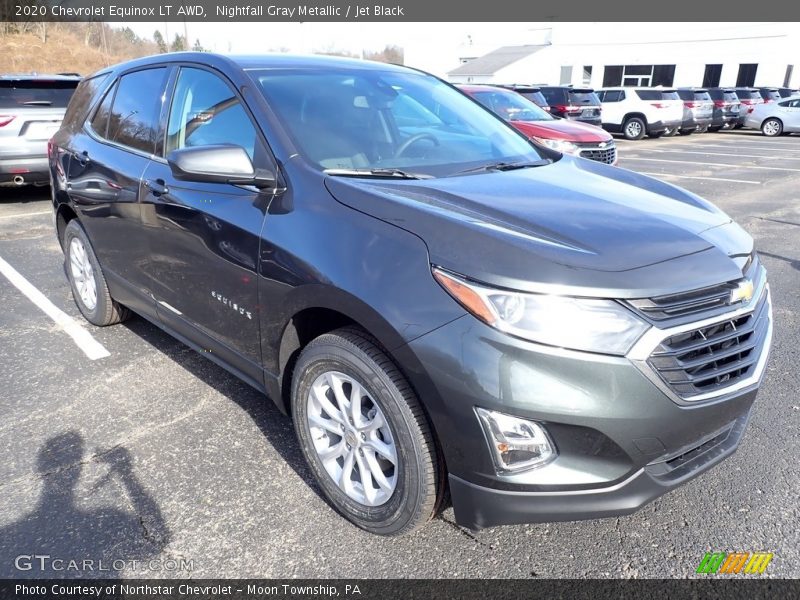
<point>742,293</point>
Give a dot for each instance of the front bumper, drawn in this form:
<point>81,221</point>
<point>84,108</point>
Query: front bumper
<point>622,438</point>
<point>478,507</point>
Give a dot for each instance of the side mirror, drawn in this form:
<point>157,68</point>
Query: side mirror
<point>221,163</point>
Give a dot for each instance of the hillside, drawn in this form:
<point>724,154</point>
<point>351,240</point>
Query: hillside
<point>80,48</point>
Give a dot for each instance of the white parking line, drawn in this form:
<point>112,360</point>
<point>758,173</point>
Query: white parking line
<point>727,154</point>
<point>698,177</point>
<point>84,340</point>
<point>20,215</point>
<point>755,146</point>
<point>705,164</point>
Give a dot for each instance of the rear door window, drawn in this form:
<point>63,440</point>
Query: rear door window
<point>133,120</point>
<point>99,122</point>
<point>33,93</point>
<point>702,96</point>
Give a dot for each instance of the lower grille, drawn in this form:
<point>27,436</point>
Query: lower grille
<point>604,155</point>
<point>711,358</point>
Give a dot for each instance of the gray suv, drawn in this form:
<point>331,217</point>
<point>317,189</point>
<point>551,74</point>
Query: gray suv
<point>31,110</point>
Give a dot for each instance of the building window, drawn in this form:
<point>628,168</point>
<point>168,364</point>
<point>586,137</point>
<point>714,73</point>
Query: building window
<point>712,75</point>
<point>639,75</point>
<point>787,79</point>
<point>747,75</point>
<point>587,75</point>
<point>566,75</point>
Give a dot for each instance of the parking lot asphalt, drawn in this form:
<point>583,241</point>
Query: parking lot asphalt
<point>153,452</point>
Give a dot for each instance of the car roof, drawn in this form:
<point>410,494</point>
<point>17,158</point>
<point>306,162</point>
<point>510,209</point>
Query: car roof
<point>636,87</point>
<point>520,87</point>
<point>261,61</point>
<point>694,89</point>
<point>38,77</point>
<point>477,87</point>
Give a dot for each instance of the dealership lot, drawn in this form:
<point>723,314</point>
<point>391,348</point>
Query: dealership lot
<point>154,453</point>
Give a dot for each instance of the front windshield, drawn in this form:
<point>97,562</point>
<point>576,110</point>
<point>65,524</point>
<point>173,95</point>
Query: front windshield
<point>511,106</point>
<point>366,119</point>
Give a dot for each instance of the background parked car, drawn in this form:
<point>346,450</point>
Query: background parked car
<point>770,94</point>
<point>531,92</point>
<point>568,137</point>
<point>749,97</point>
<point>31,110</point>
<point>726,108</point>
<point>578,104</point>
<point>636,111</point>
<point>698,110</point>
<point>776,118</point>
<point>786,92</point>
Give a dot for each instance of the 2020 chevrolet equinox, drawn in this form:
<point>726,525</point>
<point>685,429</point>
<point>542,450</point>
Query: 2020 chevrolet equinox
<point>438,303</point>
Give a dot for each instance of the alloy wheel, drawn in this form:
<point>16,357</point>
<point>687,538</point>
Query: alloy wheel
<point>82,273</point>
<point>352,438</point>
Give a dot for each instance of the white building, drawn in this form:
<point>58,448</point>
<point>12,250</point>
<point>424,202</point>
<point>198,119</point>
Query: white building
<point>642,54</point>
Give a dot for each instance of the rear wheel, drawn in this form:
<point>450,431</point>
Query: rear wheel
<point>686,131</point>
<point>655,135</point>
<point>89,288</point>
<point>633,129</point>
<point>671,131</point>
<point>772,127</point>
<point>364,434</point>
<point>714,128</point>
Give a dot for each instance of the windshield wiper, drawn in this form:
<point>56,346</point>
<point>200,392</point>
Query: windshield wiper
<point>378,172</point>
<point>506,166</point>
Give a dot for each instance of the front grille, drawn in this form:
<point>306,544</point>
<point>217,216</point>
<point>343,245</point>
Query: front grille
<point>704,302</point>
<point>713,357</point>
<point>604,155</point>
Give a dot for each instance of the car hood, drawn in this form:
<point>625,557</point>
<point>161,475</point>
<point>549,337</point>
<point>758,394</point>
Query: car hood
<point>562,129</point>
<point>571,226</point>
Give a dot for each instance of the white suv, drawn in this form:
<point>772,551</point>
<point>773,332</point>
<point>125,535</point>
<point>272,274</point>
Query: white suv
<point>636,111</point>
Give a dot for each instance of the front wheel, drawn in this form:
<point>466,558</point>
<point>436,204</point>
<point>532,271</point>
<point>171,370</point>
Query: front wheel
<point>89,288</point>
<point>772,127</point>
<point>671,132</point>
<point>633,129</point>
<point>364,434</point>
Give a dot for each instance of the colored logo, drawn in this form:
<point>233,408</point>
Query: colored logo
<point>743,292</point>
<point>753,563</point>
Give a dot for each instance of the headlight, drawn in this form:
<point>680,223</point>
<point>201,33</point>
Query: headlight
<point>590,324</point>
<point>562,146</point>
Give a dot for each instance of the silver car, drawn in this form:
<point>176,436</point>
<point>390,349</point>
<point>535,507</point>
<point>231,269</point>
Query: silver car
<point>31,110</point>
<point>776,118</point>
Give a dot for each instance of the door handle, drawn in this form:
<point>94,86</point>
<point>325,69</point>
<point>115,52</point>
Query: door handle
<point>156,186</point>
<point>81,157</point>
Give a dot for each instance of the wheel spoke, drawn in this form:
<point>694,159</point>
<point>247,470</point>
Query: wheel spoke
<point>326,424</point>
<point>376,471</point>
<point>321,398</point>
<point>333,452</point>
<point>382,448</point>
<point>364,473</point>
<point>356,394</point>
<point>338,392</point>
<point>373,425</point>
<point>345,481</point>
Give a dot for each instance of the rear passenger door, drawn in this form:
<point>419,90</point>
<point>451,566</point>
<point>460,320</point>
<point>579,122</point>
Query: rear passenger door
<point>204,237</point>
<point>108,158</point>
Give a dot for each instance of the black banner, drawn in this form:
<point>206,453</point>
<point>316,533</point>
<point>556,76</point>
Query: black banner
<point>251,589</point>
<point>391,10</point>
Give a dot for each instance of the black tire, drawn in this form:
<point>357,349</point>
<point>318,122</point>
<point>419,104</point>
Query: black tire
<point>686,131</point>
<point>352,352</point>
<point>105,311</point>
<point>714,128</point>
<point>671,132</point>
<point>655,135</point>
<point>772,127</point>
<point>633,128</point>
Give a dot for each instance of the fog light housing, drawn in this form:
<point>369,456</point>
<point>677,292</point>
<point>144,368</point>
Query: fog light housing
<point>516,444</point>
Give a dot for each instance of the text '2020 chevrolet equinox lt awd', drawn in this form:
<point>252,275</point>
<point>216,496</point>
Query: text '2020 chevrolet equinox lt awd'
<point>439,303</point>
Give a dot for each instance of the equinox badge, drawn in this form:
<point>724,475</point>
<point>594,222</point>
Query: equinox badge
<point>232,305</point>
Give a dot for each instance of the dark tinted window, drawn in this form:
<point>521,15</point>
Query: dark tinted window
<point>670,96</point>
<point>137,105</point>
<point>746,94</point>
<point>731,97</point>
<point>612,75</point>
<point>205,111</point>
<point>81,100</point>
<point>611,96</point>
<point>770,94</point>
<point>535,97</point>
<point>649,94</point>
<point>554,95</point>
<point>100,120</point>
<point>583,97</point>
<point>702,96</point>
<point>21,93</point>
<point>686,94</point>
